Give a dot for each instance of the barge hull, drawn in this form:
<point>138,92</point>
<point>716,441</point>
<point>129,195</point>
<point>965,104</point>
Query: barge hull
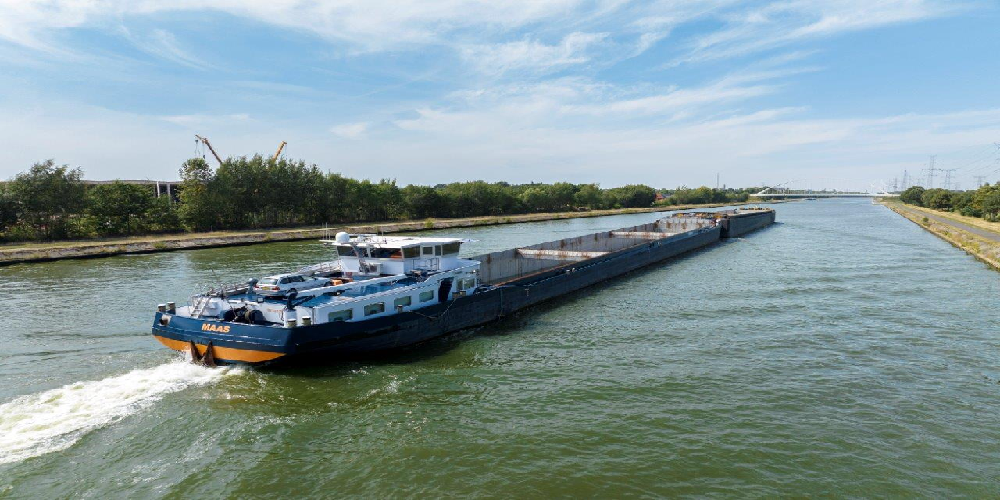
<point>515,280</point>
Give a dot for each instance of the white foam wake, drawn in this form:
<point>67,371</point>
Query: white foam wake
<point>37,424</point>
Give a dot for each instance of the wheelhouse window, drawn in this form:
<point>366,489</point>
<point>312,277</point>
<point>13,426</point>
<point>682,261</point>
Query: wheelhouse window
<point>437,250</point>
<point>411,252</point>
<point>345,251</point>
<point>427,296</point>
<point>344,315</point>
<point>450,248</point>
<point>402,301</point>
<point>376,308</point>
<point>427,250</point>
<point>386,253</point>
<point>466,283</point>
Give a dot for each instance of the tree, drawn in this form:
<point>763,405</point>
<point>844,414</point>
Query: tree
<point>963,204</point>
<point>48,196</point>
<point>631,196</point>
<point>535,199</point>
<point>198,211</point>
<point>119,209</point>
<point>936,198</point>
<point>422,201</point>
<point>8,208</point>
<point>912,196</point>
<point>561,196</point>
<point>589,195</point>
<point>987,201</point>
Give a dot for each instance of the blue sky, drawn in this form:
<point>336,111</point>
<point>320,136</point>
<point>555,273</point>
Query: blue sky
<point>831,93</point>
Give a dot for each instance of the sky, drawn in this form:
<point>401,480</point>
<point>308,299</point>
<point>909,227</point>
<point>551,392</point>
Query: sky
<point>843,94</point>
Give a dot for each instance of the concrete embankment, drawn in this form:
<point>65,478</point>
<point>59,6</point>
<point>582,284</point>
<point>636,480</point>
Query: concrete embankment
<point>974,236</point>
<point>12,254</point>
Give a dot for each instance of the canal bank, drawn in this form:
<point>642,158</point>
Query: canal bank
<point>39,252</point>
<point>973,236</point>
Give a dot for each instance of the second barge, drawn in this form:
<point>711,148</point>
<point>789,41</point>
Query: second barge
<point>388,292</point>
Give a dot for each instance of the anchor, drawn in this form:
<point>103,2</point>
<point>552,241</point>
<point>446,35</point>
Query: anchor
<point>207,359</point>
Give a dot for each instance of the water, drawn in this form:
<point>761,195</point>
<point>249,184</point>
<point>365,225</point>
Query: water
<point>843,351</point>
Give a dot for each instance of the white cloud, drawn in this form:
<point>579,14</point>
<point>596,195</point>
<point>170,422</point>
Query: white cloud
<point>353,131</point>
<point>367,24</point>
<point>164,44</point>
<point>532,55</point>
<point>777,24</point>
<point>481,31</point>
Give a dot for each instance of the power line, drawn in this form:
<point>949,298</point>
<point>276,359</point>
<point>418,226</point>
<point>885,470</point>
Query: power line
<point>947,177</point>
<point>980,179</point>
<point>983,154</point>
<point>930,172</point>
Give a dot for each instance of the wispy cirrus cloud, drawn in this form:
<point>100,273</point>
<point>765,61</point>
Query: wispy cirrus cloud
<point>531,55</point>
<point>775,24</point>
<point>366,24</point>
<point>162,43</point>
<point>480,30</point>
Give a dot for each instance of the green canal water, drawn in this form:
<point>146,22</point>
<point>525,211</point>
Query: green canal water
<point>843,351</point>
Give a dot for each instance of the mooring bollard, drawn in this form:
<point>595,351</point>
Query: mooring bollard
<point>306,320</point>
<point>171,307</point>
<point>162,308</point>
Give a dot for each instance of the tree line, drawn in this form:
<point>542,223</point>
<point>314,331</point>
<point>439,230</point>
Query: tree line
<point>51,202</point>
<point>983,202</point>
<point>705,195</point>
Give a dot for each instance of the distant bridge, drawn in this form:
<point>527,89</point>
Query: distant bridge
<point>789,190</point>
<point>821,194</point>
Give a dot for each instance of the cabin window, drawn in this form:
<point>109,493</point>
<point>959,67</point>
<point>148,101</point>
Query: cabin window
<point>466,283</point>
<point>437,250</point>
<point>427,296</point>
<point>344,315</point>
<point>376,308</point>
<point>345,251</point>
<point>428,250</point>
<point>402,301</point>
<point>450,248</point>
<point>411,252</point>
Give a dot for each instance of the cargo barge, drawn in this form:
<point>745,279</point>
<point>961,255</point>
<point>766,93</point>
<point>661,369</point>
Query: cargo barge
<point>383,293</point>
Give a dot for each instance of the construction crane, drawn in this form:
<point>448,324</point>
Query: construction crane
<point>278,153</point>
<point>204,141</point>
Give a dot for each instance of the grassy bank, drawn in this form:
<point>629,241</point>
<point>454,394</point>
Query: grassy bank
<point>946,225</point>
<point>35,252</point>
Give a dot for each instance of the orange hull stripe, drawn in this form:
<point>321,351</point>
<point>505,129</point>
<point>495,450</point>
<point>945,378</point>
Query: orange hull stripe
<point>224,353</point>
